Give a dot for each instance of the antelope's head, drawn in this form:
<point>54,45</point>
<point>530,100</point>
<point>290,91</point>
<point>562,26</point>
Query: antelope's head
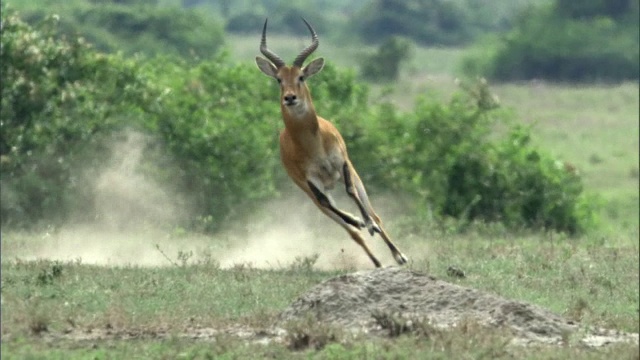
<point>294,94</point>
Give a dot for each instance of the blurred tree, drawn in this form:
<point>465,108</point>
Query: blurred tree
<point>425,21</point>
<point>245,22</point>
<point>140,27</point>
<point>384,65</point>
<point>125,2</point>
<point>593,40</point>
<point>590,8</point>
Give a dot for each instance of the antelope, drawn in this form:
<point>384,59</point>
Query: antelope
<point>313,152</point>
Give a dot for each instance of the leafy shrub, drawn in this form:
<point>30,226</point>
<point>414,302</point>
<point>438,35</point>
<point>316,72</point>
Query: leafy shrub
<point>219,126</point>
<point>60,102</point>
<point>444,157</point>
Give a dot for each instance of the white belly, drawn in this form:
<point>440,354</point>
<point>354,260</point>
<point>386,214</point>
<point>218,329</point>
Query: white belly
<point>326,170</point>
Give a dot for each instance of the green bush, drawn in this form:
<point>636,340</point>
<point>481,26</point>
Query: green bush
<point>61,101</point>
<point>443,156</point>
<point>219,126</point>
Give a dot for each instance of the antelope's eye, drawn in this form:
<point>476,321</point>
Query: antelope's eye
<point>301,78</point>
<point>279,80</point>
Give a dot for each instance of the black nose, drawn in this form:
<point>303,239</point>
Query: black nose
<point>289,99</point>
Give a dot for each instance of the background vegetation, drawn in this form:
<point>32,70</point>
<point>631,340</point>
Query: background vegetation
<point>207,119</point>
<point>132,26</point>
<point>562,41</point>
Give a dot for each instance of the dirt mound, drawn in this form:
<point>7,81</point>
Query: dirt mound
<point>359,301</point>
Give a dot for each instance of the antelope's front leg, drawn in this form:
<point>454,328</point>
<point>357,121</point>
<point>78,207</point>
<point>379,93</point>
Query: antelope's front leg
<point>324,201</point>
<point>351,191</point>
<point>349,222</point>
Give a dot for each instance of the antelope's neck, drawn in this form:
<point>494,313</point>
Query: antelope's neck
<point>302,126</point>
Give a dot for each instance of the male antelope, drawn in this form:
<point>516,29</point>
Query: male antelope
<point>313,151</point>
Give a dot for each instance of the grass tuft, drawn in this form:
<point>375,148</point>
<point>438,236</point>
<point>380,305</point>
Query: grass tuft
<point>310,333</point>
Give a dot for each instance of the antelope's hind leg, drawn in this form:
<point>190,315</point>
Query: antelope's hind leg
<point>400,258</point>
<point>355,189</point>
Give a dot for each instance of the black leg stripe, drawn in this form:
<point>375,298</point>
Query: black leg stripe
<point>324,201</point>
<point>347,179</point>
<point>351,190</point>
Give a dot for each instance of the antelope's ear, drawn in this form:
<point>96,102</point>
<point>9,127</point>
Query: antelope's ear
<point>313,68</point>
<point>266,67</point>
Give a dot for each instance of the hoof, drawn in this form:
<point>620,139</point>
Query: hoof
<point>373,228</point>
<point>357,222</point>
<point>400,258</point>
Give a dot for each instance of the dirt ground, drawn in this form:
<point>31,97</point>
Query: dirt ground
<point>387,300</point>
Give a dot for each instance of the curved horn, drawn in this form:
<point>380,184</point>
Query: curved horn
<point>311,48</point>
<point>275,59</point>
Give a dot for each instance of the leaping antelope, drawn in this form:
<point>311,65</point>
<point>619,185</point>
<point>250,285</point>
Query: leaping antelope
<point>313,151</point>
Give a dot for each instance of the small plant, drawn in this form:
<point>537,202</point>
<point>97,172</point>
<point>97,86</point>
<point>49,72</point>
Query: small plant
<point>47,275</point>
<point>184,257</point>
<point>166,256</point>
<point>310,333</point>
<point>38,323</point>
<point>206,259</point>
<point>241,271</point>
<point>395,324</point>
<point>304,263</point>
<point>455,272</point>
<point>578,310</point>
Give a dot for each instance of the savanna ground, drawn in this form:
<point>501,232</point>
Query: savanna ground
<point>125,288</point>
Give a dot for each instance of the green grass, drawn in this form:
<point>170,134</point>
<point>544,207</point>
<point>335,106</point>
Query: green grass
<point>590,279</point>
<point>595,128</point>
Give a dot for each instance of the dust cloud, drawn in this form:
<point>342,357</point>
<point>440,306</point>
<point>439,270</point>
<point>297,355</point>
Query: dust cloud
<point>135,221</point>
<point>291,229</point>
